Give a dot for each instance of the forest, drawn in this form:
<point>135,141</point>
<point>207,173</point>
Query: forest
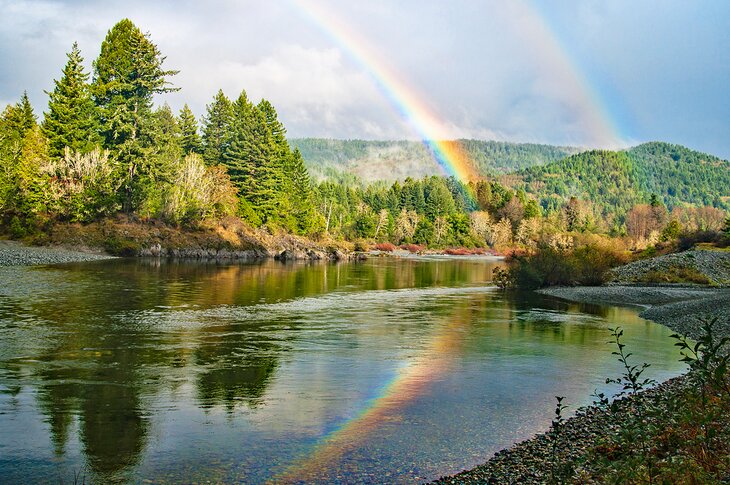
<point>102,148</point>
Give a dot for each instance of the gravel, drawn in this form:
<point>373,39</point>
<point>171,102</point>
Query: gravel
<point>715,265</point>
<point>13,253</point>
<point>677,308</point>
<point>532,461</point>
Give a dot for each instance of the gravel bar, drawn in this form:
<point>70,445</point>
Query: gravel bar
<point>678,308</point>
<point>13,253</point>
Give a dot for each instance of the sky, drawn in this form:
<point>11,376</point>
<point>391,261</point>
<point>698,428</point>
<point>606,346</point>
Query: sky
<point>589,73</point>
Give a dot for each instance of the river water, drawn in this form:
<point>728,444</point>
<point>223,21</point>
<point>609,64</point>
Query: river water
<point>389,370</point>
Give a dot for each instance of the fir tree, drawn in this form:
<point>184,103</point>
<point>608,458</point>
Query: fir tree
<point>300,196</point>
<point>128,73</point>
<point>71,119</point>
<point>190,141</point>
<point>19,118</point>
<point>217,128</point>
<point>250,158</point>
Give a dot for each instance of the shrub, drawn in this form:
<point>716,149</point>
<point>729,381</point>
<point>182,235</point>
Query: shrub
<point>385,247</point>
<point>689,240</point>
<point>549,266</point>
<point>414,248</point>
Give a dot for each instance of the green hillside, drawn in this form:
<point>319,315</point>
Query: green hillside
<point>678,174</point>
<point>397,160</point>
<point>615,181</point>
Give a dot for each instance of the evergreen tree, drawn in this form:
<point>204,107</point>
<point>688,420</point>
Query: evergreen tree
<point>299,198</point>
<point>165,150</point>
<point>250,158</point>
<point>71,119</point>
<point>217,128</point>
<point>190,141</point>
<point>277,130</point>
<point>128,73</point>
<point>18,119</point>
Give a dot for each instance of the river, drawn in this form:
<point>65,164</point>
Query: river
<point>388,370</point>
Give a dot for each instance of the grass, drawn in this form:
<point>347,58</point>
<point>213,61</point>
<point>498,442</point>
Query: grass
<point>675,274</point>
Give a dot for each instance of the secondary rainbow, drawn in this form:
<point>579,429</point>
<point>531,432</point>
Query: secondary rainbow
<point>436,135</point>
<point>593,127</point>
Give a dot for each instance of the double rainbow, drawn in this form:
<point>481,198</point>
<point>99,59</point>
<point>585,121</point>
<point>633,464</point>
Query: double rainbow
<point>438,136</point>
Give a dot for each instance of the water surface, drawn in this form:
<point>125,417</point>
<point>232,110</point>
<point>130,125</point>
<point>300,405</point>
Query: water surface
<point>397,370</point>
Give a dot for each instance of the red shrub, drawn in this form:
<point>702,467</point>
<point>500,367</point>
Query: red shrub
<point>414,248</point>
<point>385,246</point>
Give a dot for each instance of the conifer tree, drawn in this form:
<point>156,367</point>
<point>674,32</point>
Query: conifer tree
<point>300,197</point>
<point>217,128</point>
<point>71,120</point>
<point>127,74</point>
<point>19,118</point>
<point>250,158</point>
<point>190,141</point>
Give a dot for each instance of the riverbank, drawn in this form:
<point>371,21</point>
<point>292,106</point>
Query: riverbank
<point>13,253</point>
<point>229,239</point>
<point>534,461</point>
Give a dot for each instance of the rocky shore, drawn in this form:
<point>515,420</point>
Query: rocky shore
<point>702,266</point>
<point>13,253</point>
<point>532,461</point>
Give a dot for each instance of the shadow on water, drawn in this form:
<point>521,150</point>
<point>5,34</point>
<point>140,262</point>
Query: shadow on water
<point>136,367</point>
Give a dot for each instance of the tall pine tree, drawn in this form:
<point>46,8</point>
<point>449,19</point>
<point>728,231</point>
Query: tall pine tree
<point>128,73</point>
<point>71,119</point>
<point>250,159</point>
<point>217,128</point>
<point>190,141</point>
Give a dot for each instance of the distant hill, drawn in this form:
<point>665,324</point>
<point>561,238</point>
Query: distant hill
<point>616,181</point>
<point>396,160</point>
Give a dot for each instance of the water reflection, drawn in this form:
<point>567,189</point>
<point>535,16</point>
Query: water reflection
<point>191,372</point>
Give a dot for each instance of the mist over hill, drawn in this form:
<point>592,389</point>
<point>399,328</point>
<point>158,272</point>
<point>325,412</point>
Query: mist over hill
<point>396,160</point>
<point>615,180</point>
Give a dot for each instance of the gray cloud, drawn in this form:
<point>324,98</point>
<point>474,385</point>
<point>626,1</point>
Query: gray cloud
<point>653,71</point>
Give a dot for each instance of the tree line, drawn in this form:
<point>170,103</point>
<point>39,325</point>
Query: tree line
<point>102,147</point>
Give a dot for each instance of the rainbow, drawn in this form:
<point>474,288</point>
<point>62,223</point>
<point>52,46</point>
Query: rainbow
<point>449,155</point>
<point>414,379</point>
<point>408,383</point>
<point>552,56</point>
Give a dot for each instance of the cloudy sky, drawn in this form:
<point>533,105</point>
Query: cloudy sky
<point>590,72</point>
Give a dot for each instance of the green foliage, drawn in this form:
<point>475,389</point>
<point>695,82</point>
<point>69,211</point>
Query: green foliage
<point>217,128</point>
<point>677,436</point>
<point>614,182</point>
<point>630,380</point>
<point>550,266</point>
<point>707,358</point>
<point>71,120</point>
<point>127,74</point>
<point>190,141</point>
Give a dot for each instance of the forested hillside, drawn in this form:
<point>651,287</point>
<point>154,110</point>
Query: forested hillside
<point>616,181</point>
<point>679,175</point>
<point>396,160</point>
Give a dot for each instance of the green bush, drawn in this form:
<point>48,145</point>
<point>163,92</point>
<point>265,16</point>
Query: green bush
<point>548,266</point>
